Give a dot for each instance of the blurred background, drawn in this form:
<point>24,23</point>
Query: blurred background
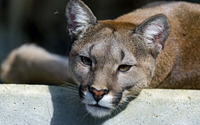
<point>43,22</point>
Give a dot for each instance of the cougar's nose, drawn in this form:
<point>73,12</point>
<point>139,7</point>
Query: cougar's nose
<point>98,94</point>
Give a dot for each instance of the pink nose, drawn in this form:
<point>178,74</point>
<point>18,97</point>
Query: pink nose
<point>98,94</point>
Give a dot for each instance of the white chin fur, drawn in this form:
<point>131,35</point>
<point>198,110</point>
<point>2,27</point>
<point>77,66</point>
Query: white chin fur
<point>97,111</point>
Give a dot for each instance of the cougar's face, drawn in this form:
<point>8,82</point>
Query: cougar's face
<point>109,67</point>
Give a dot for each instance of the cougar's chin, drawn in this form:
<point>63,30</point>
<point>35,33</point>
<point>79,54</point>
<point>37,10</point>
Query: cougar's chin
<point>104,106</point>
<point>98,111</point>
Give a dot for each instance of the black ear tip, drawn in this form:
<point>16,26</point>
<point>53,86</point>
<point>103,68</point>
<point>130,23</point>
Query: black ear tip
<point>160,17</point>
<point>163,18</point>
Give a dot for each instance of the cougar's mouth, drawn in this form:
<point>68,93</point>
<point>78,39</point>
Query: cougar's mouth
<point>98,111</point>
<point>98,106</point>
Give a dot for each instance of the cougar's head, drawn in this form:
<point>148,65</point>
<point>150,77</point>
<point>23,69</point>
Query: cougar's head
<point>112,60</point>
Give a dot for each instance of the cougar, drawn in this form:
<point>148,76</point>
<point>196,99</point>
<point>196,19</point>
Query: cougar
<point>112,60</point>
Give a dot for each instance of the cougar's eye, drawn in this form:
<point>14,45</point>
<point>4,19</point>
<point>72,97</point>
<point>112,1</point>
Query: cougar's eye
<point>86,60</point>
<point>124,68</point>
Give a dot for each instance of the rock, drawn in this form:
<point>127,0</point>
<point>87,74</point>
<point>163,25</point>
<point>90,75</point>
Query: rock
<point>44,105</point>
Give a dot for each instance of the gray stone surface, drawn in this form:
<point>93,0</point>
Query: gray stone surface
<point>51,105</point>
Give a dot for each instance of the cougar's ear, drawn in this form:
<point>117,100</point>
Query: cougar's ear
<point>79,18</point>
<point>155,30</point>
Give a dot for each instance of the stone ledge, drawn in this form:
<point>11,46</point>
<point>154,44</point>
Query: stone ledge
<point>45,105</point>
